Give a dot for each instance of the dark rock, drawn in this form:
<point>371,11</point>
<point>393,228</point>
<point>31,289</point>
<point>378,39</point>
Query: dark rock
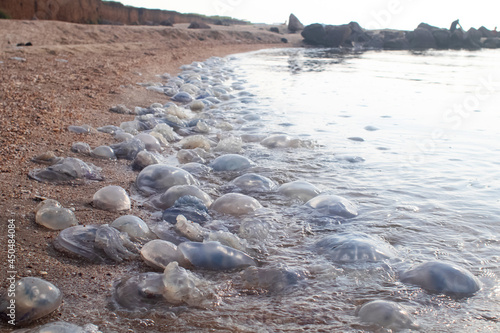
<point>442,37</point>
<point>375,43</point>
<point>274,29</point>
<point>337,35</point>
<point>486,33</point>
<point>492,42</point>
<point>284,40</point>
<point>314,34</point>
<point>294,24</point>
<point>472,39</point>
<point>457,39</point>
<point>358,35</point>
<point>400,43</point>
<point>428,27</point>
<point>198,25</point>
<point>167,23</point>
<point>420,39</point>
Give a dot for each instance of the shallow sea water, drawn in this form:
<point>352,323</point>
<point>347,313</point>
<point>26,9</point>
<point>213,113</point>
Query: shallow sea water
<point>425,177</point>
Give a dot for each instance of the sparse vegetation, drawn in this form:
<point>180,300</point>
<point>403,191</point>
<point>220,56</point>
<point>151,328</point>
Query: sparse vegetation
<point>4,15</point>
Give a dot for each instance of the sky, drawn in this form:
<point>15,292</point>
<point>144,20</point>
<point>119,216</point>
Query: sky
<point>370,14</point>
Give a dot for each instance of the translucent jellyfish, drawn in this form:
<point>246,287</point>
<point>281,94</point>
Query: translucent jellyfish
<point>231,145</point>
<point>387,314</point>
<point>160,177</point>
<point>61,327</point>
<point>254,229</point>
<point>123,136</point>
<point>354,247</point>
<point>81,148</point>
<point>159,253</point>
<point>192,208</point>
<point>235,204</point>
<point>128,149</point>
<point>104,152</point>
<point>191,230</point>
<point>133,127</point>
<point>55,218</point>
<point>195,141</point>
<point>112,198</point>
<point>231,162</point>
<point>441,277</point>
<point>109,129</point>
<point>214,256</point>
<point>228,239</point>
<point>169,198</point>
<point>198,155</point>
<point>95,243</point>
<point>182,97</point>
<point>84,129</point>
<point>281,141</point>
<point>48,158</point>
<point>134,226</point>
<point>196,169</point>
<point>333,205</point>
<point>143,159</point>
<point>166,131</point>
<point>47,203</point>
<point>273,279</point>
<point>252,182</point>
<point>34,298</point>
<point>197,105</point>
<point>150,142</point>
<point>139,291</point>
<point>299,189</point>
<point>68,170</point>
<point>184,287</point>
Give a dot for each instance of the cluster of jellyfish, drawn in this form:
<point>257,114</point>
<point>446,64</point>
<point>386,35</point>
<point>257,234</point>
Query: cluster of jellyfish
<point>187,234</point>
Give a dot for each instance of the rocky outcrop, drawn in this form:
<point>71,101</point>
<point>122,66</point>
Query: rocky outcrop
<point>294,24</point>
<point>423,37</point>
<point>97,11</point>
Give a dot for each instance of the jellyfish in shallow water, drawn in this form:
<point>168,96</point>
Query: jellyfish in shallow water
<point>299,189</point>
<point>169,198</point>
<point>214,256</point>
<point>281,141</point>
<point>387,314</point>
<point>160,177</point>
<point>252,182</point>
<point>354,247</point>
<point>231,162</point>
<point>34,299</point>
<point>235,204</point>
<point>441,277</point>
<point>333,205</point>
<point>159,253</point>
<point>61,327</point>
<point>134,226</point>
<point>112,198</point>
<point>68,170</point>
<point>100,244</point>
<point>273,279</point>
<point>139,291</point>
<point>192,208</point>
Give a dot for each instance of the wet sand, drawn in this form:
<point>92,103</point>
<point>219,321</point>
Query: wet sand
<point>72,75</point>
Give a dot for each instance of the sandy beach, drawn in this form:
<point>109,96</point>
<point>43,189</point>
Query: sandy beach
<point>72,75</point>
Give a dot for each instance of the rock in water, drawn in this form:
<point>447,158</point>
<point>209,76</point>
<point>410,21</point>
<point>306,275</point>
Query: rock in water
<point>333,205</point>
<point>34,299</point>
<point>441,277</point>
<point>235,204</point>
<point>386,314</point>
<point>112,198</point>
<point>160,177</point>
<point>214,256</point>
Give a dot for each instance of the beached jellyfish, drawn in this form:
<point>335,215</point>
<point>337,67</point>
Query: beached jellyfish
<point>104,152</point>
<point>191,230</point>
<point>81,148</point>
<point>34,298</point>
<point>151,143</point>
<point>273,279</point>
<point>196,169</point>
<point>48,158</point>
<point>254,229</point>
<point>184,287</point>
<point>170,196</point>
<point>160,177</point>
<point>61,327</point>
<point>46,204</point>
<point>95,243</point>
<point>281,141</point>
<point>192,208</point>
<point>122,136</point>
<point>166,131</point>
<point>128,149</point>
<point>109,129</point>
<point>235,204</point>
<point>214,256</point>
<point>139,291</point>
<point>198,155</point>
<point>195,141</point>
<point>68,170</point>
<point>386,314</point>
<point>134,226</point>
<point>84,129</point>
<point>228,239</point>
<point>182,97</point>
<point>158,253</point>
<point>55,218</point>
<point>252,182</point>
<point>134,126</point>
<point>441,277</point>
<point>230,145</point>
<point>143,159</point>
<point>231,162</point>
<point>333,205</point>
<point>197,106</point>
<point>354,247</point>
<point>299,189</point>
<point>112,198</point>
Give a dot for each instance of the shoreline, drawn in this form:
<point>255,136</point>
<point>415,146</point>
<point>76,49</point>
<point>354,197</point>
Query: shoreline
<point>72,76</point>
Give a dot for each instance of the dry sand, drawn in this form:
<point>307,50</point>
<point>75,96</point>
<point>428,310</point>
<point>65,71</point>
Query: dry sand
<point>72,75</point>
